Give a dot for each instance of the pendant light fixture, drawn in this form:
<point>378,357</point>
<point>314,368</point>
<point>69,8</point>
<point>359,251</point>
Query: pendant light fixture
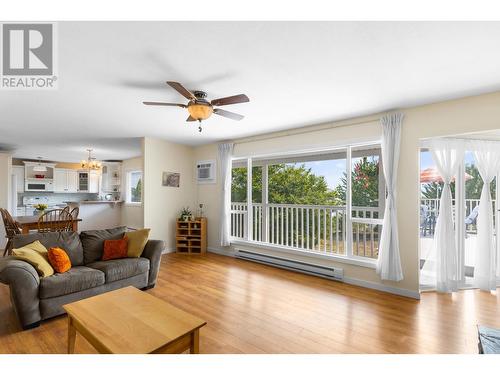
<point>91,163</point>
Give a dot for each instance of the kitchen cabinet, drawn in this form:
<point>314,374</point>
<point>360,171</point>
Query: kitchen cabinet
<point>111,177</point>
<point>65,180</point>
<point>94,182</point>
<point>88,182</point>
<point>72,179</point>
<point>18,172</point>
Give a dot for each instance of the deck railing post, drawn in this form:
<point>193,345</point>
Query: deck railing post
<point>249,222</point>
<point>348,203</point>
<point>265,203</point>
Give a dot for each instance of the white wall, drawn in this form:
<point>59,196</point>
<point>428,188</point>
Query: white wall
<point>162,204</point>
<point>5,179</point>
<point>468,115</point>
<point>132,215</point>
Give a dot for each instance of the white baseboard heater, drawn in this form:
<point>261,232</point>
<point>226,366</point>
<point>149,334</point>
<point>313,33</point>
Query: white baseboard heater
<point>333,273</point>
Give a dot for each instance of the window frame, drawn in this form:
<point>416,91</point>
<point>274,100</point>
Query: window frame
<point>128,187</point>
<point>348,257</point>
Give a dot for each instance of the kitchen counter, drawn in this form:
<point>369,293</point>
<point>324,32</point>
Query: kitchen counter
<point>92,202</point>
<point>98,214</point>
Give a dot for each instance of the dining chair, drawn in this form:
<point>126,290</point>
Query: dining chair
<point>11,229</point>
<point>59,220</point>
<point>75,212</point>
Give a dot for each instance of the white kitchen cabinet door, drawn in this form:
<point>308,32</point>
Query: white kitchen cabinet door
<point>94,183</point>
<point>60,180</point>
<point>18,171</point>
<point>72,181</point>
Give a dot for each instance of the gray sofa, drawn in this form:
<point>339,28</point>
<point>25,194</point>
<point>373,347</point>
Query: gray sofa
<point>36,298</point>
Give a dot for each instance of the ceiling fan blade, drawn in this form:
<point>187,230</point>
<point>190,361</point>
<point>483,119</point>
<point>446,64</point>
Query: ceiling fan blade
<point>191,118</point>
<point>242,98</point>
<point>166,104</point>
<point>231,115</point>
<point>181,90</point>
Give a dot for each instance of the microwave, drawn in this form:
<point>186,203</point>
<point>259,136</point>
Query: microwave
<point>33,185</point>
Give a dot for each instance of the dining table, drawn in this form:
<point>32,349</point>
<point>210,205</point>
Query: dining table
<point>28,223</point>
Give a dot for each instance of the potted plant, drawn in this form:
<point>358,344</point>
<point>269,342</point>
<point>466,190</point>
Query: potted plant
<point>200,210</point>
<point>40,208</point>
<point>185,214</point>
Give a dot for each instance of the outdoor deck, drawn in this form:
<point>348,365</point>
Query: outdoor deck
<point>322,229</point>
<point>314,228</point>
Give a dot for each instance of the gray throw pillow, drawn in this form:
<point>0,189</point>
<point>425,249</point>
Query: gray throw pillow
<point>93,242</point>
<point>68,241</point>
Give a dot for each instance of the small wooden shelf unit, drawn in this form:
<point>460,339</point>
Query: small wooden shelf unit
<point>191,236</point>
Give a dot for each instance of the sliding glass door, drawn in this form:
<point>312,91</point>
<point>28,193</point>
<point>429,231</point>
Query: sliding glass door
<point>466,191</point>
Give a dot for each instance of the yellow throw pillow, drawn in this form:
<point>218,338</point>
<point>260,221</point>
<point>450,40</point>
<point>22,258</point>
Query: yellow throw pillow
<point>136,242</point>
<point>36,255</point>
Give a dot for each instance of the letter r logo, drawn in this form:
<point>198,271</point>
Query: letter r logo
<point>27,49</point>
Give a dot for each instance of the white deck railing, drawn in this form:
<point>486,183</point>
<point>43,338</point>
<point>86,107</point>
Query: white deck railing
<point>316,228</point>
<point>432,210</point>
<point>433,204</point>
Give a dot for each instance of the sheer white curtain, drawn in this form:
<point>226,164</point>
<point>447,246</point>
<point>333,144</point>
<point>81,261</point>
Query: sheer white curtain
<point>443,260</point>
<point>388,262</point>
<point>225,163</point>
<point>487,155</point>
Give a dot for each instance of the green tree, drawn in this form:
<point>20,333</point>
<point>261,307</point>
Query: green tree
<point>364,177</point>
<point>473,185</point>
<point>287,184</point>
<point>137,191</point>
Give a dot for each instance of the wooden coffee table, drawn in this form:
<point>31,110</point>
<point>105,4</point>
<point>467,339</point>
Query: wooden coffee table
<point>131,321</point>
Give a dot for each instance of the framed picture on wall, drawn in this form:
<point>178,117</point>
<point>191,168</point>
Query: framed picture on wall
<point>171,179</point>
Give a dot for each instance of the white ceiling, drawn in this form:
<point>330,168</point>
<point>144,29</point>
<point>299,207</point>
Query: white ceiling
<point>295,74</point>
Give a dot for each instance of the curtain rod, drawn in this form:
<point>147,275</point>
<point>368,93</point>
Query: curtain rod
<point>425,142</point>
<point>308,129</point>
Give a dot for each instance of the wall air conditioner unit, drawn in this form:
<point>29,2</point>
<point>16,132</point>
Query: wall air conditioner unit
<point>205,172</point>
<point>326,272</point>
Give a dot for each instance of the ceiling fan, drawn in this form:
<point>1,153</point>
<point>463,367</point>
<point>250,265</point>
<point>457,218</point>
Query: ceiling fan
<point>200,108</point>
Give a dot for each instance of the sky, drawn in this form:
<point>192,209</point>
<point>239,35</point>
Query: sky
<point>426,159</point>
<point>333,170</point>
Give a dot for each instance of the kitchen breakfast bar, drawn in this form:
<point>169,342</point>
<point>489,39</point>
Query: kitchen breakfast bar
<point>97,214</point>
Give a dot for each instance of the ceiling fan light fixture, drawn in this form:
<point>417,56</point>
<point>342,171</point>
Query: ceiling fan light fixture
<point>200,111</point>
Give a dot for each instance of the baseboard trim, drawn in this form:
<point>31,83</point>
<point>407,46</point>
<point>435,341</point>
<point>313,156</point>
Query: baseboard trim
<point>168,251</point>
<point>227,251</point>
<point>382,287</point>
<point>348,280</point>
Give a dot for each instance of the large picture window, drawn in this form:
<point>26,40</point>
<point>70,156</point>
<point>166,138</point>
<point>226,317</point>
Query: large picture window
<point>308,202</point>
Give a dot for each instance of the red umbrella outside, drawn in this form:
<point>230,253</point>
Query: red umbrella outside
<point>431,174</point>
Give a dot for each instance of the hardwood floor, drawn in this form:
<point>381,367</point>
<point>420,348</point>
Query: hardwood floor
<point>252,308</point>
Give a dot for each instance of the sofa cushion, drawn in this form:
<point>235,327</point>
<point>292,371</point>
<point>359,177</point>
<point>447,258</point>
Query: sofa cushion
<point>93,242</point>
<point>137,240</point>
<point>36,255</point>
<point>59,259</point>
<point>69,241</point>
<point>115,249</point>
<point>75,280</point>
<point>118,269</point>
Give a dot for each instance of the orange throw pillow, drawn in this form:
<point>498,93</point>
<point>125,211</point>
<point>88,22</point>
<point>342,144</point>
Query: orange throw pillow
<point>115,249</point>
<point>59,259</point>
